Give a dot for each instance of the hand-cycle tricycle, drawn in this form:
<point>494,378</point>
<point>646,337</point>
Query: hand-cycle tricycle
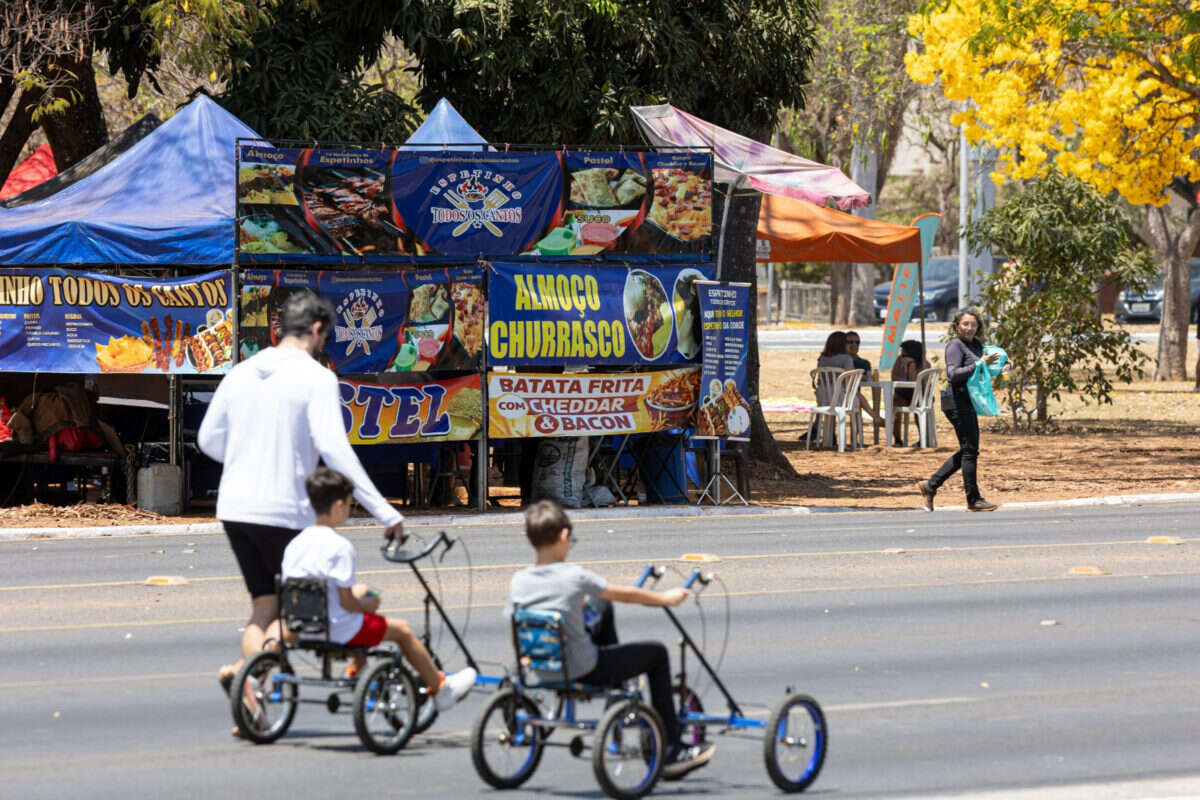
<point>388,700</point>
<point>627,742</point>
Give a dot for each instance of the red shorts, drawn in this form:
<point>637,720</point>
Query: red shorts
<point>371,633</point>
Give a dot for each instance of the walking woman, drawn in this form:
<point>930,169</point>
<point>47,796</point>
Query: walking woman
<point>962,352</point>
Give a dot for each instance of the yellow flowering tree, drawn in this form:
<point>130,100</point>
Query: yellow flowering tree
<point>1107,91</point>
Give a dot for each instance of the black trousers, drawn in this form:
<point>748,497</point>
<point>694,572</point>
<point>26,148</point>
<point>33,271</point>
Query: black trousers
<point>966,428</point>
<point>620,662</point>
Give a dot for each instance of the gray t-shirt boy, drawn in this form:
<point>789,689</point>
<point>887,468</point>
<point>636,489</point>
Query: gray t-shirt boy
<point>561,587</point>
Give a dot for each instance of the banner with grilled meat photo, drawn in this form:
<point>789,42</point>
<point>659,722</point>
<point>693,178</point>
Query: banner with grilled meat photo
<point>316,204</point>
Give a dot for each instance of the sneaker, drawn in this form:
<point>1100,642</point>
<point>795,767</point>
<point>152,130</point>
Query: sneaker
<point>683,760</point>
<point>454,688</point>
<point>927,494</point>
<point>982,505</point>
<point>225,676</point>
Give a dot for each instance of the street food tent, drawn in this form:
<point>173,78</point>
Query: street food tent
<point>445,126</point>
<point>166,201</point>
<point>795,230</point>
<point>37,168</point>
<point>747,163</point>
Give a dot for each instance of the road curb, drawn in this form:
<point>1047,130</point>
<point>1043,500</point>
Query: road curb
<point>588,514</point>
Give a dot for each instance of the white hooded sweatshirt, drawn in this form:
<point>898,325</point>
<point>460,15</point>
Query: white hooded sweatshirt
<point>270,419</point>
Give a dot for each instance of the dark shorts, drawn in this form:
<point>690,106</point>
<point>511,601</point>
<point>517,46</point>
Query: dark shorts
<point>372,631</point>
<point>259,552</point>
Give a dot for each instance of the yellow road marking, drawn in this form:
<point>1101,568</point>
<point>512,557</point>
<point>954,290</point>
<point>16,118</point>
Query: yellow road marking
<point>640,560</point>
<point>473,606</point>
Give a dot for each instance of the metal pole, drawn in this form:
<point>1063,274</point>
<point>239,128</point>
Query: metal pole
<point>733,187</point>
<point>964,179</point>
<point>770,292</point>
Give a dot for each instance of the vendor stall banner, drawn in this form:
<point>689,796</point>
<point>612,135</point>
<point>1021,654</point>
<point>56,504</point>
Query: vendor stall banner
<point>54,320</point>
<point>449,410</point>
<point>904,293</point>
<point>318,205</point>
<point>725,322</point>
<point>579,315</point>
<point>413,321</point>
<point>522,405</point>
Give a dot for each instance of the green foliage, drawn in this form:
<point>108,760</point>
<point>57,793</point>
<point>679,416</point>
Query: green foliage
<point>1063,239</point>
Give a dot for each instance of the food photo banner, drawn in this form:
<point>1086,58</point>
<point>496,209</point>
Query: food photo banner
<point>585,314</point>
<point>414,321</point>
<point>449,410</point>
<point>725,324</point>
<point>523,405</point>
<point>313,205</point>
<point>54,320</point>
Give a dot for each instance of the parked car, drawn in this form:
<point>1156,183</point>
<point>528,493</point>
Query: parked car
<point>939,280</point>
<point>1147,306</point>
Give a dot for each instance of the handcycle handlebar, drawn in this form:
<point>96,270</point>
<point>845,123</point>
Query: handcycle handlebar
<point>651,571</point>
<point>392,550</point>
<point>704,578</point>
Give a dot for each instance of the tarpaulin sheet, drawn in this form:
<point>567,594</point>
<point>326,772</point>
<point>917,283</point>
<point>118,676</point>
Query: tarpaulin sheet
<point>765,168</point>
<point>30,172</point>
<point>445,127</point>
<point>793,230</point>
<point>169,199</point>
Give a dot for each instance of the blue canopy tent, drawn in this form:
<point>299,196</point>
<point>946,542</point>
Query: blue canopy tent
<point>445,126</point>
<point>168,200</point>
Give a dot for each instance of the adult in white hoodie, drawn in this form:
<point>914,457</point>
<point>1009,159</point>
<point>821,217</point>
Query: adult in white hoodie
<point>272,416</point>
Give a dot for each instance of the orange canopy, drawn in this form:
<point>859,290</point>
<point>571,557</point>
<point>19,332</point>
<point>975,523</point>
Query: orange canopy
<point>795,230</point>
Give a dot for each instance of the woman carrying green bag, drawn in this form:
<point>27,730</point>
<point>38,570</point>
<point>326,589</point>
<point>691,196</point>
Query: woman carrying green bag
<point>962,353</point>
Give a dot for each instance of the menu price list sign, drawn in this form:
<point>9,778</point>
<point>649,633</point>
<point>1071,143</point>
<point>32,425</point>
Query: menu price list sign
<point>724,412</point>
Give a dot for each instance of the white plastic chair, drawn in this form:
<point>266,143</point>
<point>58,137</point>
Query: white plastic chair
<point>922,407</point>
<point>842,405</point>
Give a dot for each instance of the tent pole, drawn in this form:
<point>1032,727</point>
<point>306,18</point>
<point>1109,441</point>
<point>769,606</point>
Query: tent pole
<point>733,187</point>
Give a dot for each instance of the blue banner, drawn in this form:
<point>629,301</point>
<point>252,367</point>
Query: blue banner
<point>904,294</point>
<point>725,322</point>
<point>578,315</point>
<point>471,204</point>
<point>419,321</point>
<point>55,320</point>
<point>323,205</point>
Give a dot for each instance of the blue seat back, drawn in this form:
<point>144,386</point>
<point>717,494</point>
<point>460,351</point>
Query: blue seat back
<point>540,643</point>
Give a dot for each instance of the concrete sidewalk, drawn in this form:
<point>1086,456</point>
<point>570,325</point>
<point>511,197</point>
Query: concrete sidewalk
<point>499,518</point>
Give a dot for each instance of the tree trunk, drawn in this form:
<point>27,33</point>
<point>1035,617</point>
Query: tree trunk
<point>80,129</point>
<point>839,294</point>
<point>862,295</point>
<point>1173,248</point>
<point>738,264</point>
<point>20,127</point>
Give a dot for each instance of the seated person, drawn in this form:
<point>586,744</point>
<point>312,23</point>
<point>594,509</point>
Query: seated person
<point>320,552</point>
<point>836,353</point>
<point>551,584</point>
<point>853,343</point>
<point>907,367</point>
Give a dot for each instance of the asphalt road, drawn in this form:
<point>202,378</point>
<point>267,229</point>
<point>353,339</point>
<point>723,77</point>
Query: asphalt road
<point>872,337</point>
<point>953,654</point>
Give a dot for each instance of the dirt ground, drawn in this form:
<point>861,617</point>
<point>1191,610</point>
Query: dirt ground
<point>1146,442</point>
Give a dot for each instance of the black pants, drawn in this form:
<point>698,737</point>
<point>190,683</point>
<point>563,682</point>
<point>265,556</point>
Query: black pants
<point>620,662</point>
<point>966,428</point>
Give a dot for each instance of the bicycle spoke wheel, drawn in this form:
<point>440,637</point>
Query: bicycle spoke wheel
<point>385,705</point>
<point>628,750</point>
<point>795,742</point>
<point>262,699</point>
<point>506,746</point>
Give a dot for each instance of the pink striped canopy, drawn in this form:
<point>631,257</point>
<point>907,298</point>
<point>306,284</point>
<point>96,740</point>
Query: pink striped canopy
<point>767,169</point>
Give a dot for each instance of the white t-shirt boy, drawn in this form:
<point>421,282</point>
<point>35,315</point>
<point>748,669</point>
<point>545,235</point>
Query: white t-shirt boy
<point>321,553</point>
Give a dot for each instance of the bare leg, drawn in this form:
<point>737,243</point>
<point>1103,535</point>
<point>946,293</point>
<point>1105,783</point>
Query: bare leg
<point>398,631</point>
<point>264,612</point>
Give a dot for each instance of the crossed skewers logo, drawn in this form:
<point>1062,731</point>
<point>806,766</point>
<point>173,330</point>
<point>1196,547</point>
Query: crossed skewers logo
<point>360,310</point>
<point>478,199</point>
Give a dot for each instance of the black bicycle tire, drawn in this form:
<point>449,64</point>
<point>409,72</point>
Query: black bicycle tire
<point>478,731</point>
<point>391,670</point>
<point>770,740</point>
